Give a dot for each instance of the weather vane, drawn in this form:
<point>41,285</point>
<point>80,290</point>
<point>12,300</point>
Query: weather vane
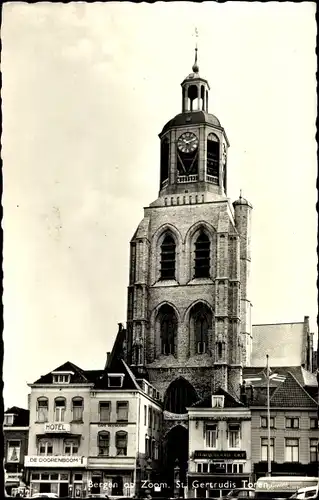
<point>195,65</point>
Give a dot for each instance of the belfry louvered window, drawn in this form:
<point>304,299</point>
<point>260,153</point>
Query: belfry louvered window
<point>202,256</point>
<point>168,258</point>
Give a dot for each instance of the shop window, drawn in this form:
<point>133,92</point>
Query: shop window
<point>42,409</point>
<point>199,468</point>
<point>13,454</point>
<point>264,422</point>
<point>54,477</point>
<point>71,447</point>
<point>292,450</point>
<point>78,477</point>
<point>264,449</point>
<point>121,443</point>
<point>205,467</point>
<point>105,411</point>
<point>77,409</point>
<point>292,423</point>
<point>314,450</point>
<point>59,409</point>
<point>156,451</point>
<point>122,411</point>
<point>211,435</point>
<point>234,435</point>
<point>45,477</point>
<point>104,443</point>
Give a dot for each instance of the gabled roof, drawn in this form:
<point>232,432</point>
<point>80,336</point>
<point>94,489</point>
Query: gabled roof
<point>292,394</point>
<point>229,402</point>
<point>289,394</point>
<point>118,366</point>
<point>303,376</point>
<point>118,346</point>
<point>21,418</point>
<point>79,376</point>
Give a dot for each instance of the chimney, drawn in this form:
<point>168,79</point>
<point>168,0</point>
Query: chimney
<point>120,325</point>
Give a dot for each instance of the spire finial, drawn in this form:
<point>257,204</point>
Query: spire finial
<point>195,67</point>
<point>240,194</point>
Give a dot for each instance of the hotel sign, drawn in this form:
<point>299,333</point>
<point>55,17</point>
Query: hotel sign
<point>54,461</point>
<point>220,454</point>
<point>57,427</point>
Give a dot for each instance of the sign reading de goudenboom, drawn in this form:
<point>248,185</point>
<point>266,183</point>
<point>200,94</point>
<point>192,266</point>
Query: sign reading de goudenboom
<point>56,427</point>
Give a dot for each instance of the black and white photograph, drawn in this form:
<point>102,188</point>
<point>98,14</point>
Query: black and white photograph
<point>160,250</point>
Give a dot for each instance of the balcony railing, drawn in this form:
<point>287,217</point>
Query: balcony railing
<point>183,179</point>
<point>212,179</point>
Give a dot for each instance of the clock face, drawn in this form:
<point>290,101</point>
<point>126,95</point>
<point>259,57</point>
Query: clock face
<point>187,142</point>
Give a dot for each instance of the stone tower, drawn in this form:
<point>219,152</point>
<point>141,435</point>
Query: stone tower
<point>188,320</point>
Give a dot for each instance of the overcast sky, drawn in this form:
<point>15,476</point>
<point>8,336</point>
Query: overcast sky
<point>86,90</point>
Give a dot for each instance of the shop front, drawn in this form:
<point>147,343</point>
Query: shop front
<point>62,475</point>
<point>217,473</point>
<point>13,480</point>
<point>115,483</point>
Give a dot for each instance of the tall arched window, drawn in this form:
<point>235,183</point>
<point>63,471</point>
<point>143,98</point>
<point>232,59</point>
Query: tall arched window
<point>168,326</point>
<point>59,409</point>
<point>121,443</point>
<point>179,395</point>
<point>213,159</point>
<point>200,326</point>
<point>103,442</point>
<point>42,409</point>
<point>202,256</point>
<point>168,258</point>
<point>77,409</point>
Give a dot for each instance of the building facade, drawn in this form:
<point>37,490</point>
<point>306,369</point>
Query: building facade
<point>15,433</point>
<point>92,431</point>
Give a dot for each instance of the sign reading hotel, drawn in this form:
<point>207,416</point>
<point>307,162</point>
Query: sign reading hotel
<point>54,461</point>
<point>56,427</point>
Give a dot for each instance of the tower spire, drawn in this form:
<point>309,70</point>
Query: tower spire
<point>195,67</point>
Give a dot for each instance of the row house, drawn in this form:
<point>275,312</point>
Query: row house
<point>294,432</point>
<point>85,434</point>
<point>15,434</point>
<point>219,445</point>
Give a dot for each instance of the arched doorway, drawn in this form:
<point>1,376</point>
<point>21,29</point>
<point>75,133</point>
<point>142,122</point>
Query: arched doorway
<point>176,448</point>
<point>179,395</point>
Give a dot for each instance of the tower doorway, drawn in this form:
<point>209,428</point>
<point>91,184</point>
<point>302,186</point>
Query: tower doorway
<point>176,453</point>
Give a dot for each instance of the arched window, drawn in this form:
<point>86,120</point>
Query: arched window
<point>121,443</point>
<point>168,258</point>
<point>179,395</point>
<point>59,409</point>
<point>202,256</point>
<point>200,325</point>
<point>213,159</point>
<point>168,325</point>
<point>164,161</point>
<point>42,409</point>
<point>77,409</point>
<point>103,442</point>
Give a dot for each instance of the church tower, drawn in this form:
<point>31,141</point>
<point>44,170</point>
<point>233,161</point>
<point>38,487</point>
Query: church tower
<point>188,319</point>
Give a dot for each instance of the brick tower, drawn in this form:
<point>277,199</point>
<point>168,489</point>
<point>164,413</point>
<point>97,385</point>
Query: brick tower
<point>188,320</point>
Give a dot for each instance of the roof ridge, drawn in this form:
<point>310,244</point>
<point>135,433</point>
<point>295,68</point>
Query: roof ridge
<point>302,388</point>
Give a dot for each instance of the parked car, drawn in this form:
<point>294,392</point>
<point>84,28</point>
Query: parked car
<point>307,492</point>
<point>240,493</point>
<point>45,495</point>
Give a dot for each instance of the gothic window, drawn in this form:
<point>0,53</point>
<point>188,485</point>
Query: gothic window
<point>164,160</point>
<point>168,326</point>
<point>213,158</point>
<point>200,324</point>
<point>202,256</point>
<point>179,395</point>
<point>168,257</point>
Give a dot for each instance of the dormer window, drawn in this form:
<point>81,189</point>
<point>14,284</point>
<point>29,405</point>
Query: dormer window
<point>218,401</point>
<point>61,377</point>
<point>115,380</point>
<point>8,419</point>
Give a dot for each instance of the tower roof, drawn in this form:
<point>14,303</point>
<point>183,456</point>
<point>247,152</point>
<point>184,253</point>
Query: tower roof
<point>191,118</point>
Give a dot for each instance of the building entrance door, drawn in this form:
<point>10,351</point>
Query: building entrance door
<point>176,447</point>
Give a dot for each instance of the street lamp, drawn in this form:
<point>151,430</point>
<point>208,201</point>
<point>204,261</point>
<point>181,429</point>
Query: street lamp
<point>148,469</point>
